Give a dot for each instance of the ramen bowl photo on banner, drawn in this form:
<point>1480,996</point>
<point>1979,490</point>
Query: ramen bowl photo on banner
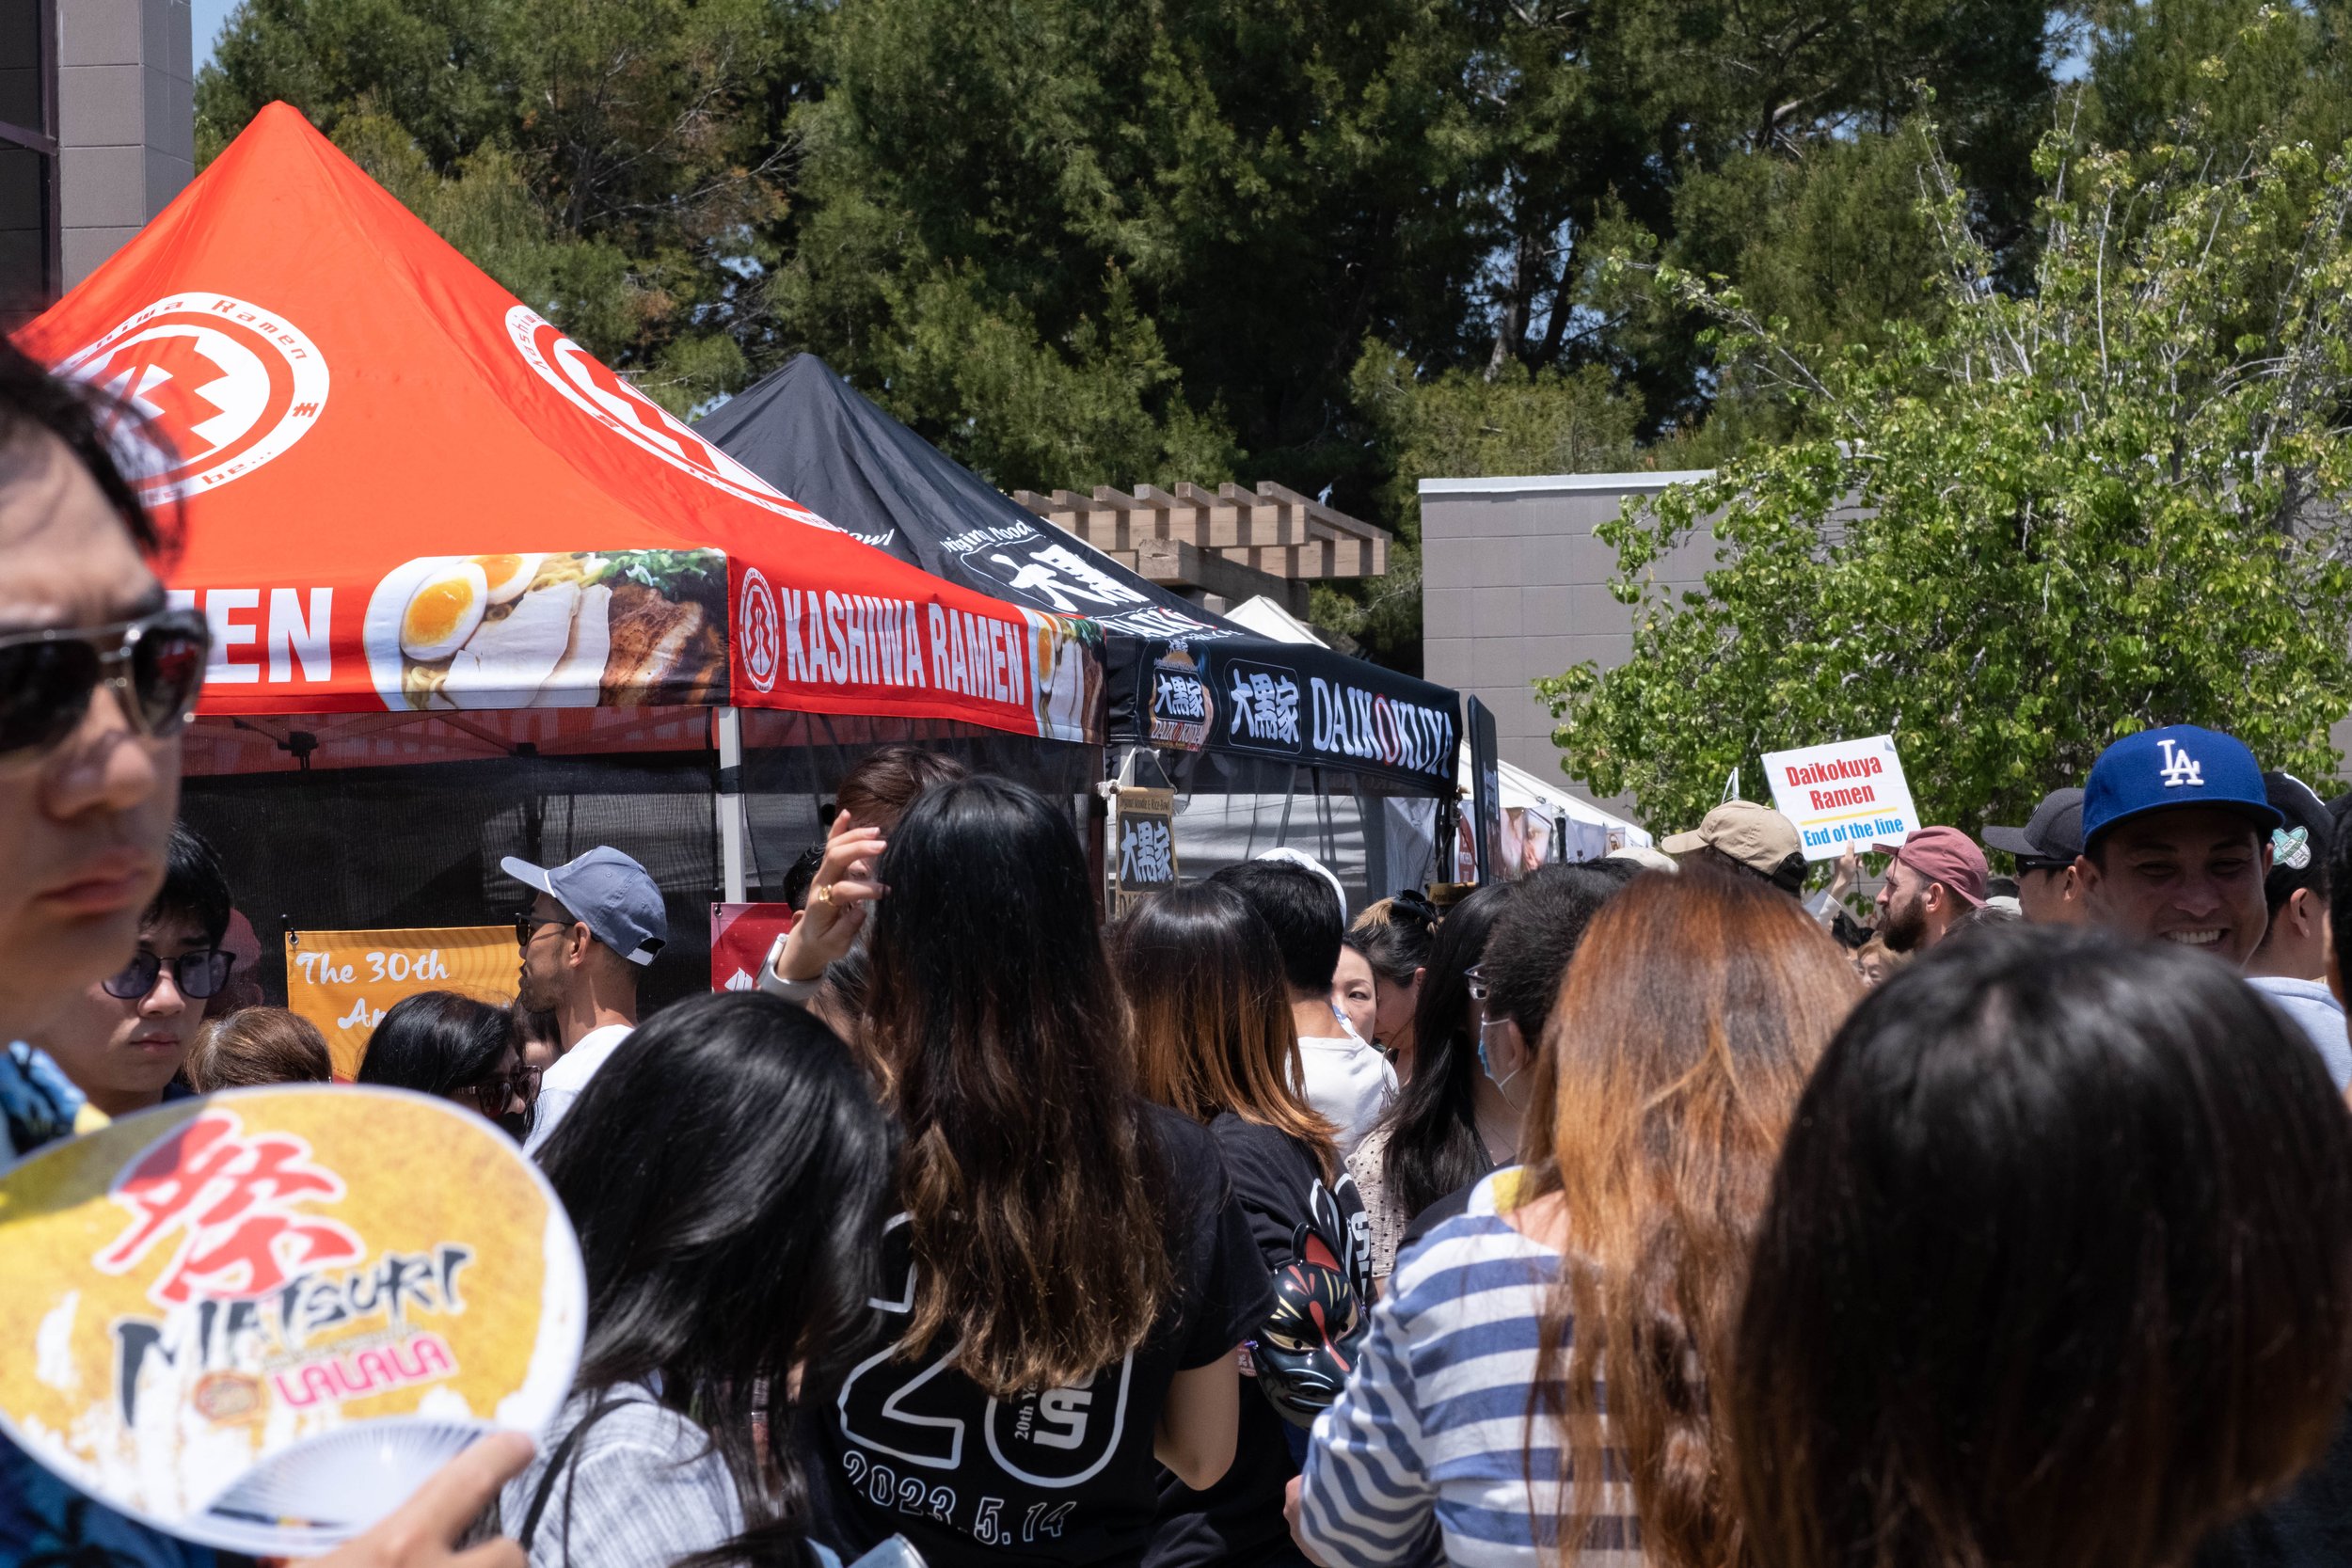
<point>573,628</point>
<point>260,1320</point>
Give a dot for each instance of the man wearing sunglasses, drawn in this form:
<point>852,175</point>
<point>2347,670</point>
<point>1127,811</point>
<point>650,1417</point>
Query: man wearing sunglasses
<point>593,924</point>
<point>96,678</point>
<point>124,1039</point>
<point>2049,890</point>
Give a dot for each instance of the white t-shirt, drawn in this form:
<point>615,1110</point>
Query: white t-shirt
<point>1348,1081</point>
<point>561,1084</point>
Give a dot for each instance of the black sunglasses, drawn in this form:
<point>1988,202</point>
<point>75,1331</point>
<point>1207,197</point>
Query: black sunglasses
<point>155,664</point>
<point>527,926</point>
<point>495,1093</point>
<point>198,974</point>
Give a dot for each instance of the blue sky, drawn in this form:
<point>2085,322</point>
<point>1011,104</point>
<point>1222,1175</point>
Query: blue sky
<point>210,17</point>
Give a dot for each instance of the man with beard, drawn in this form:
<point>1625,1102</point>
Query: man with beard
<point>1937,876</point>
<point>596,920</point>
<point>2176,841</point>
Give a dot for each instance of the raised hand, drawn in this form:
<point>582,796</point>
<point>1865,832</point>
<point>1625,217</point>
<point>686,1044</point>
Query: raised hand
<point>839,899</point>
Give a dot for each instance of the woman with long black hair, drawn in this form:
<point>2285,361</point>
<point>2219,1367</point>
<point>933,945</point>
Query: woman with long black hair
<point>1070,1279</point>
<point>439,1042</point>
<point>2055,1270</point>
<point>1214,1039</point>
<point>1429,1143</point>
<point>725,1171</point>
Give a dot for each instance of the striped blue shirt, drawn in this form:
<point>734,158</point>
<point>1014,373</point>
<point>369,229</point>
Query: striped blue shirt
<point>1427,1453</point>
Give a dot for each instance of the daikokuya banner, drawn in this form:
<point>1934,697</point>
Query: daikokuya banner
<point>1286,702</point>
<point>1847,794</point>
<point>400,489</point>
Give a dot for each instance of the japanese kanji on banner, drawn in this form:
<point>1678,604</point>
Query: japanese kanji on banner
<point>1142,844</point>
<point>260,1320</point>
<point>344,981</point>
<point>1289,703</point>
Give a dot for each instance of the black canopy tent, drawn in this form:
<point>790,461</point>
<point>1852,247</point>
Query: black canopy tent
<point>1294,743</point>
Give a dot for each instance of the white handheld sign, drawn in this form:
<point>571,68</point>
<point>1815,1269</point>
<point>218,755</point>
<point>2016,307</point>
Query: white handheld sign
<point>1850,793</point>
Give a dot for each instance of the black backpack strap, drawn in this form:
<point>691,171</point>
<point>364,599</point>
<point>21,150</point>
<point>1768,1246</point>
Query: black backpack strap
<point>556,1462</point>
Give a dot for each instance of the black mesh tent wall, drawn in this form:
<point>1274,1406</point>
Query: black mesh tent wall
<point>334,831</point>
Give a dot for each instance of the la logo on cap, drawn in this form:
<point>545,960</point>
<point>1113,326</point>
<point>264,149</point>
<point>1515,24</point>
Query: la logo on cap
<point>2179,766</point>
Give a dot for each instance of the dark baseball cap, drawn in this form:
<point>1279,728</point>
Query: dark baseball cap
<point>2054,833</point>
<point>607,892</point>
<point>2309,835</point>
<point>2166,770</point>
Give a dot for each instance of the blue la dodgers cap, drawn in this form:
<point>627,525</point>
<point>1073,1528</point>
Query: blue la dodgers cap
<point>609,893</point>
<point>2180,764</point>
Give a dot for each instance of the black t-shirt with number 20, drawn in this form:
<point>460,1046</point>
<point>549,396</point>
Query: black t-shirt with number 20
<point>1057,1478</point>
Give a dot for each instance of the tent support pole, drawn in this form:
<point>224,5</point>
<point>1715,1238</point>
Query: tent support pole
<point>729,799</point>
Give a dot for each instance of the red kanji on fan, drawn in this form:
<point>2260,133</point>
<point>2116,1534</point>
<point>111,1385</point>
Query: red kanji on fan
<point>231,1200</point>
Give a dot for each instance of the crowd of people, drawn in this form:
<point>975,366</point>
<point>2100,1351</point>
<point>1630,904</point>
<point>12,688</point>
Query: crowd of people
<point>1636,1211</point>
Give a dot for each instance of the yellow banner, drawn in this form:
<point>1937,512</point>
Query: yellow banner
<point>343,981</point>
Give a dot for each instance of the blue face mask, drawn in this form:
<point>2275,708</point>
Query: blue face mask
<point>1486,1066</point>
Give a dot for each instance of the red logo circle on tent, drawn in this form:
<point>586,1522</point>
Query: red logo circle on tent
<point>761,639</point>
<point>614,403</point>
<point>224,387</point>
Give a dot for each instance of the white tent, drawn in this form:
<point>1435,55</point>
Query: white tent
<point>1565,827</point>
<point>1270,620</point>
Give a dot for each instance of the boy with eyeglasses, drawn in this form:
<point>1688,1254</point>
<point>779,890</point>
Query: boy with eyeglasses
<point>124,1039</point>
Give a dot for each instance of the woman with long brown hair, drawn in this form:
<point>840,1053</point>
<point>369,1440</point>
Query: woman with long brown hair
<point>1615,1257</point>
<point>1067,1287</point>
<point>1214,1039</point>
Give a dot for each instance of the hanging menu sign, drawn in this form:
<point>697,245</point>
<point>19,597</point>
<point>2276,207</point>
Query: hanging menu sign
<point>1142,845</point>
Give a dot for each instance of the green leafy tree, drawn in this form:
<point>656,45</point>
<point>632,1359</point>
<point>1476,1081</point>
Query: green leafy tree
<point>2031,523</point>
<point>1740,140</point>
<point>1079,243</point>
<point>619,163</point>
<point>2151,61</point>
<point>1465,425</point>
<point>1160,229</point>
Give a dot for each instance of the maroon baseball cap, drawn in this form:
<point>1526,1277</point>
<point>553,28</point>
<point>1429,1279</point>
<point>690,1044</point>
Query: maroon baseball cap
<point>1944,855</point>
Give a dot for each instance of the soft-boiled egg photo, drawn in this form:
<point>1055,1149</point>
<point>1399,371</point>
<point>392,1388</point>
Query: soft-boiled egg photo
<point>508,575</point>
<point>445,609</point>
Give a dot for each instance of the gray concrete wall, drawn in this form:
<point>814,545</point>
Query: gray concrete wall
<point>126,122</point>
<point>1515,586</point>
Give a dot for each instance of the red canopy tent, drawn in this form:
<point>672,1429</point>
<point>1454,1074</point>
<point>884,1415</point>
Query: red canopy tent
<point>434,537</point>
<point>404,490</point>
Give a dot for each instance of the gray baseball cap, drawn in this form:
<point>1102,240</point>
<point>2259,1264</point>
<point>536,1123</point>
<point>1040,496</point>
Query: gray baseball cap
<point>609,893</point>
